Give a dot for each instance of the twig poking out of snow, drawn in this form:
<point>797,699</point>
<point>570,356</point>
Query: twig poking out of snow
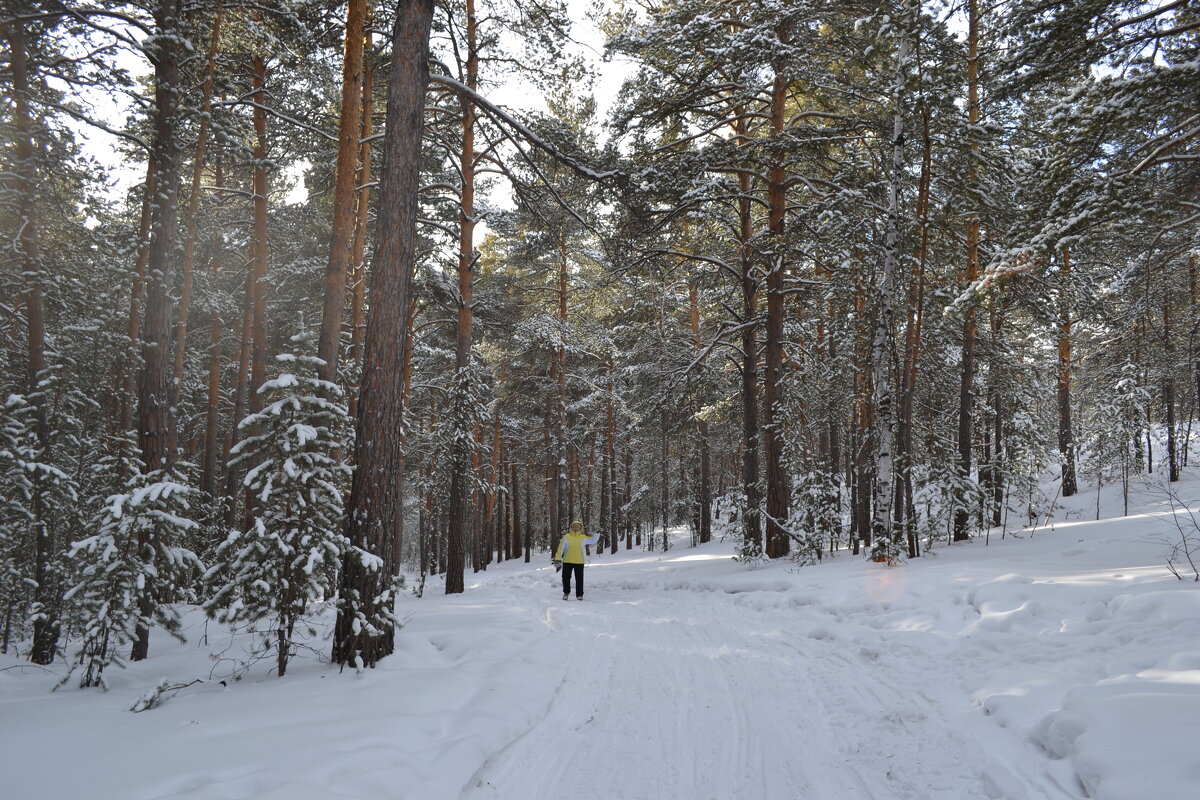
<point>160,694</point>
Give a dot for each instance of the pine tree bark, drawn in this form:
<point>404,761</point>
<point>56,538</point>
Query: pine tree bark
<point>127,383</point>
<point>550,481</point>
<point>860,434</point>
<point>1066,436</point>
<point>528,513</point>
<point>664,481</point>
<point>155,412</point>
<point>518,535</point>
<point>240,397</point>
<point>193,206</point>
<point>345,174</point>
<point>778,492</point>
<point>259,353</point>
<point>362,217</point>
<point>1168,390</point>
<point>586,501</point>
<point>752,517</point>
<point>561,466</point>
<point>704,487</point>
<point>460,457</point>
<point>374,507</point>
<point>258,249</point>
<point>625,497</point>
<point>966,393</point>
<point>494,499</point>
<point>212,413</point>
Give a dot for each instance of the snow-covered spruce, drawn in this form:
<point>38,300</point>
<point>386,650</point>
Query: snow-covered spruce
<point>16,516</point>
<point>132,570</point>
<point>288,557</point>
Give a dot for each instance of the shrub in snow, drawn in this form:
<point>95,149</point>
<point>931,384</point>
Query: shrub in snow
<point>887,549</point>
<point>132,569</point>
<point>288,556</point>
<point>816,512</point>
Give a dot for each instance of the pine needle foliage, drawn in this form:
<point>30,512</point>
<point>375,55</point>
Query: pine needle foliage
<point>133,569</point>
<point>287,557</point>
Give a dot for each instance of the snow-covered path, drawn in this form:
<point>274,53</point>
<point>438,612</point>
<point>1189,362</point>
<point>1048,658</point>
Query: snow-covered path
<point>1056,666</point>
<point>657,701</point>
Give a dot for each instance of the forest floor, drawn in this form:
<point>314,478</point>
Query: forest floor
<point>1061,663</point>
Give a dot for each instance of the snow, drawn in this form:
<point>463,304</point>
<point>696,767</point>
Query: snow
<point>1061,664</point>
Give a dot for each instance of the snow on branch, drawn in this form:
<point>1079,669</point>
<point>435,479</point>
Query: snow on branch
<point>246,101</point>
<point>507,119</point>
<point>1175,140</point>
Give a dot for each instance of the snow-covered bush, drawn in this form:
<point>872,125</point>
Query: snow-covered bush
<point>289,555</point>
<point>132,569</point>
<point>888,549</point>
<point>816,509</point>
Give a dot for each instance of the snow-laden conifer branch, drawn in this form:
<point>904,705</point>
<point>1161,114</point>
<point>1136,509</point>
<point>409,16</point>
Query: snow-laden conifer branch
<point>245,100</point>
<point>86,120</point>
<point>505,119</point>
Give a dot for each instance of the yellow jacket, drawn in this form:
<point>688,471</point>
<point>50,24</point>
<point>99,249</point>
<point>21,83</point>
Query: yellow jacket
<point>570,549</point>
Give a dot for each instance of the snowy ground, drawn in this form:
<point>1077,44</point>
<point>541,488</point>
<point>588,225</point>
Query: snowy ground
<point>1062,664</point>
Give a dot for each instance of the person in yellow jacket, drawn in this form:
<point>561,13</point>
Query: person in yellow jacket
<point>570,553</point>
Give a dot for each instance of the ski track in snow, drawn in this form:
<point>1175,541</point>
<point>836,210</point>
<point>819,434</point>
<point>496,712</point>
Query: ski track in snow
<point>710,701</point>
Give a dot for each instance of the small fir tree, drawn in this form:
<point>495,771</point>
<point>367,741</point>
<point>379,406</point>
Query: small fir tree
<point>133,568</point>
<point>288,556</point>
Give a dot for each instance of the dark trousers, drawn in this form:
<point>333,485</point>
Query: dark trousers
<point>578,570</point>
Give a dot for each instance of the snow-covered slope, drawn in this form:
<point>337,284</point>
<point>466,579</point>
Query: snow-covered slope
<point>1061,664</point>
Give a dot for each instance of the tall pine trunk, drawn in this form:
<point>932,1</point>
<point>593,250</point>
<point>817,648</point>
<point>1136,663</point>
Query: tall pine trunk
<point>375,505</point>
<point>460,478</point>
<point>127,383</point>
<point>912,342</point>
<point>155,413</point>
<point>704,485</point>
<point>193,206</point>
<point>212,411</point>
<point>1066,436</point>
<point>778,541</point>
<point>966,392</point>
<point>358,308</point>
<point>345,174</point>
<point>258,248</point>
<point>752,517</point>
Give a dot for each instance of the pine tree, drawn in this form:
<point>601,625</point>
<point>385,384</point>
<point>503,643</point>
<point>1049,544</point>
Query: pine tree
<point>16,515</point>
